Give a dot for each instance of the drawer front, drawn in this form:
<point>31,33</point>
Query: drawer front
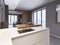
<point>31,39</point>
<point>43,42</point>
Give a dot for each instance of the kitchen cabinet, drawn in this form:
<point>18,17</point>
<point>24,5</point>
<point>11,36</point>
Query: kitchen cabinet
<point>38,38</point>
<point>10,36</point>
<point>43,42</point>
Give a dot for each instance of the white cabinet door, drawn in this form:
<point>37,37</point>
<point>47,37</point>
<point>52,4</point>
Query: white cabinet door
<point>43,42</point>
<point>31,38</point>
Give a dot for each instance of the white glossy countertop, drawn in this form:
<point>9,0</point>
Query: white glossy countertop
<point>6,35</point>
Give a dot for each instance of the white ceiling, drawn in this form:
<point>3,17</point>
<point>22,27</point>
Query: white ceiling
<point>31,4</point>
<point>26,4</point>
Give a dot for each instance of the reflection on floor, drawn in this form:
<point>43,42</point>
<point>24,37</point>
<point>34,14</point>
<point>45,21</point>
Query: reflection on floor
<point>54,41</point>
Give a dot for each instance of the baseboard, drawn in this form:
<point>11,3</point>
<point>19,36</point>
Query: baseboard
<point>55,36</point>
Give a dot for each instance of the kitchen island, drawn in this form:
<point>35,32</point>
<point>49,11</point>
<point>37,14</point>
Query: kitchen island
<point>10,36</point>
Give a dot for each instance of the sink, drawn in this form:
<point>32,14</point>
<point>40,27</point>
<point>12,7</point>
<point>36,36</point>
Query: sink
<point>25,30</point>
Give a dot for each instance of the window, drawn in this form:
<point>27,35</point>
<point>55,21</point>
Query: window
<point>44,17</point>
<point>36,18</point>
<point>12,19</point>
<point>39,17</point>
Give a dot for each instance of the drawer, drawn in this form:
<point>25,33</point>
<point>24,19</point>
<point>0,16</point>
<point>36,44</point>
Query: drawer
<point>31,39</point>
<point>43,42</point>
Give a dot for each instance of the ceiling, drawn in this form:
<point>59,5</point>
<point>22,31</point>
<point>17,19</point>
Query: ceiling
<point>25,4</point>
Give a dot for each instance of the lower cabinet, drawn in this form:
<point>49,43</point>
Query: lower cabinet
<point>43,42</point>
<point>37,38</point>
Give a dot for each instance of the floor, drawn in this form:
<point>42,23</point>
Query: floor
<point>54,41</point>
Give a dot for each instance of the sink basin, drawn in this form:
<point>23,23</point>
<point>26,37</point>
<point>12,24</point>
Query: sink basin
<point>25,30</point>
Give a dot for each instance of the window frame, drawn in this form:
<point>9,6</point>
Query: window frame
<point>37,14</point>
<point>10,21</point>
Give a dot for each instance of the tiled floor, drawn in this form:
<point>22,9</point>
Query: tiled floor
<point>54,41</point>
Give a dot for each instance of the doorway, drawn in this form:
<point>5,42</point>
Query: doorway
<point>12,19</point>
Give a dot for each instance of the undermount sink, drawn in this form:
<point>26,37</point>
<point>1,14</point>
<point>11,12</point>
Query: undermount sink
<point>25,30</point>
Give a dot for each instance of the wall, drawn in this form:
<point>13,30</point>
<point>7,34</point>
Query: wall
<point>4,24</point>
<point>0,17</point>
<point>19,19</point>
<point>2,13</point>
<point>6,16</point>
<point>26,16</point>
<point>51,19</point>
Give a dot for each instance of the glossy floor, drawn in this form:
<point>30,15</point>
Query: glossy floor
<point>54,41</point>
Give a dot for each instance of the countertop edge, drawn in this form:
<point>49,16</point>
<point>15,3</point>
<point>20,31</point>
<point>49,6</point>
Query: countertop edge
<point>29,33</point>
